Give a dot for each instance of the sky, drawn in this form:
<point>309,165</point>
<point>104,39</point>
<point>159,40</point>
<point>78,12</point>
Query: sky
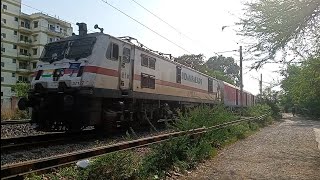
<point>194,26</point>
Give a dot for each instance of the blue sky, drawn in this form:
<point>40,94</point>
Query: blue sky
<point>198,22</point>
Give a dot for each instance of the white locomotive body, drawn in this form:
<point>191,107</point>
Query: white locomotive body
<point>96,79</point>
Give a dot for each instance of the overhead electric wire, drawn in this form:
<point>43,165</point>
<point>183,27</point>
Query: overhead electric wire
<point>105,1</point>
<point>172,27</point>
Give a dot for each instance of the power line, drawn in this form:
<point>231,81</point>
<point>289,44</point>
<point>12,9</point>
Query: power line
<point>105,1</point>
<point>172,27</point>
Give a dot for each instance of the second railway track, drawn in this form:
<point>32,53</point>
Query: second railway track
<point>16,143</point>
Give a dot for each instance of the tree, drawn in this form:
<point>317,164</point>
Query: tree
<point>21,89</point>
<point>279,26</point>
<point>301,86</point>
<point>194,61</point>
<point>226,65</point>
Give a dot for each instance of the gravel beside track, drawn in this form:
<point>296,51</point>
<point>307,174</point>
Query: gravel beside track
<point>14,130</point>
<point>24,155</point>
<point>284,150</point>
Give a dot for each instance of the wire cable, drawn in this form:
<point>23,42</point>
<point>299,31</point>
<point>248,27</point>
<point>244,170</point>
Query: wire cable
<point>172,27</point>
<point>105,1</point>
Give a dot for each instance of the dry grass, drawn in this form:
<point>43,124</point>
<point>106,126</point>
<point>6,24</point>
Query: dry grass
<point>9,114</point>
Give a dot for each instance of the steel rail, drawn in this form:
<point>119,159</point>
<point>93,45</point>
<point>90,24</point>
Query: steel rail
<point>9,144</point>
<point>22,121</point>
<point>19,169</point>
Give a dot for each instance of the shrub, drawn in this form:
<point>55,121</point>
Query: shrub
<point>9,114</point>
<point>118,165</point>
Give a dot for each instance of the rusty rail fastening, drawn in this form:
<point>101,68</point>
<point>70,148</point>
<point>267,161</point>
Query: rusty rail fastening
<point>19,169</point>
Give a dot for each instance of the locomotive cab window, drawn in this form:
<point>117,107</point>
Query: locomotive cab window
<point>126,55</point>
<point>210,85</point>
<point>144,60</point>
<point>178,75</point>
<point>152,63</point>
<point>148,81</point>
<point>147,61</point>
<point>113,51</point>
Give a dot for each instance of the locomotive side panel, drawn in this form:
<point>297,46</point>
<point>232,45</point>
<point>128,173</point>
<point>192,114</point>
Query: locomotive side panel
<point>166,80</point>
<point>107,67</point>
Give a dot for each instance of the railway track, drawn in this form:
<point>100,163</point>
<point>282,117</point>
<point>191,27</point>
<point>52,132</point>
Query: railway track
<point>20,169</point>
<point>24,142</point>
<point>22,121</point>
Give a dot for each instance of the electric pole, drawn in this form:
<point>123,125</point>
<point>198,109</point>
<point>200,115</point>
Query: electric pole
<point>260,84</point>
<point>241,81</point>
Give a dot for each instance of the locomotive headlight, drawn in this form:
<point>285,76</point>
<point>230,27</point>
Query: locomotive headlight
<point>68,100</point>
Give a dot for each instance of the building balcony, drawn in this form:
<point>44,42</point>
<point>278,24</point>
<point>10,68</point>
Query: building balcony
<point>25,30</point>
<point>24,56</point>
<point>24,69</point>
<point>53,32</point>
<point>24,43</point>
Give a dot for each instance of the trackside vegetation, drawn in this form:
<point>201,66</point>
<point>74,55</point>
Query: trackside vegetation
<point>175,156</point>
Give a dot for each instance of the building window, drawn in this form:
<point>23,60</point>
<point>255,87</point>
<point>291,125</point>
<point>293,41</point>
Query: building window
<point>50,39</point>
<point>35,51</point>
<point>2,79</point>
<point>148,61</point>
<point>23,65</point>
<point>148,81</point>
<point>34,65</point>
<point>23,79</point>
<point>4,20</point>
<point>4,6</point>
<point>16,19</point>
<point>3,49</point>
<point>13,74</point>
<point>14,60</point>
<point>15,32</point>
<point>35,24</point>
<point>14,46</point>
<point>22,23</point>
<point>2,64</point>
<point>3,35</point>
<point>1,94</point>
<point>23,52</point>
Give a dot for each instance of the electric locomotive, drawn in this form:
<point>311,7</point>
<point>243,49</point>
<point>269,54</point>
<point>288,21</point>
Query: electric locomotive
<point>103,81</point>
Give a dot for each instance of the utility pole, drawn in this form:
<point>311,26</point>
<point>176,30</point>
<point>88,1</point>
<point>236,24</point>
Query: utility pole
<point>260,84</point>
<point>241,81</point>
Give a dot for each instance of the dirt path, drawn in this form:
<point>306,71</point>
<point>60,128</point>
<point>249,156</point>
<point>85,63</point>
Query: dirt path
<point>285,150</point>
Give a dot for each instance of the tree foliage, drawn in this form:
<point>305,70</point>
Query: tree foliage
<point>220,67</point>
<point>225,65</point>
<point>301,86</point>
<point>21,89</point>
<point>282,25</point>
<point>191,60</point>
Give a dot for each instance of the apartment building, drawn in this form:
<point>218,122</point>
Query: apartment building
<point>23,37</point>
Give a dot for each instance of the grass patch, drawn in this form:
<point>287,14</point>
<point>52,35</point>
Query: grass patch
<point>17,114</point>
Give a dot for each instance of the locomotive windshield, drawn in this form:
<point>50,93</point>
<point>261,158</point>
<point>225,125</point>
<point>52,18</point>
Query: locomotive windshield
<point>73,49</point>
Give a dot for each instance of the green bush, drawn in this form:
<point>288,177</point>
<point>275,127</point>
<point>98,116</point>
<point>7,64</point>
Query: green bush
<point>119,165</point>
